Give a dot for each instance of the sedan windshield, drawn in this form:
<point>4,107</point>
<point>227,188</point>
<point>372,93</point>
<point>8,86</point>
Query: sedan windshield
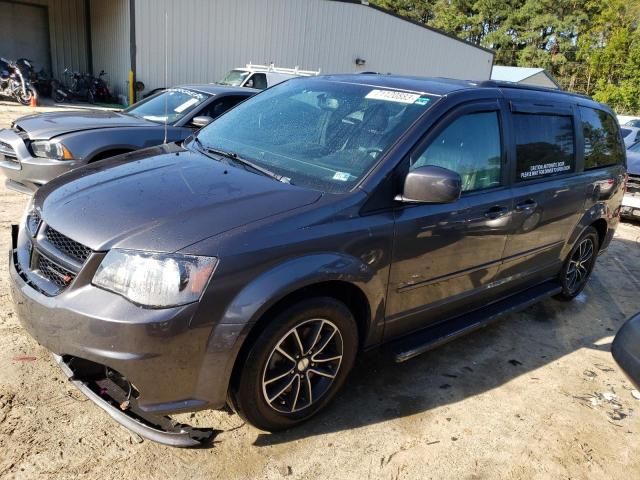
<point>167,106</point>
<point>322,134</point>
<point>234,78</point>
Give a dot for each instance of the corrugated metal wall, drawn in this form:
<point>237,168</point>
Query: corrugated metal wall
<point>110,42</point>
<point>67,33</point>
<point>206,38</point>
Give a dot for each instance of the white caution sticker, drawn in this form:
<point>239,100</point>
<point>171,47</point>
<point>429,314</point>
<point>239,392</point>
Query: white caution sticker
<point>393,96</point>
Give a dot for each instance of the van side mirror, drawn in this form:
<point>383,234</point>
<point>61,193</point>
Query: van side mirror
<point>201,121</point>
<point>431,184</point>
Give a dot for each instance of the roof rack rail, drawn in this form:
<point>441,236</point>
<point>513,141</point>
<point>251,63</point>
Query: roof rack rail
<point>272,68</point>
<point>523,86</point>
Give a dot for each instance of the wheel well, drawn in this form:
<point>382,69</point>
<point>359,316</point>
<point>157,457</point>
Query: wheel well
<point>347,293</point>
<point>110,153</point>
<point>601,227</point>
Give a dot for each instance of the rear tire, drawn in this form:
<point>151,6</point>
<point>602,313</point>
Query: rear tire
<point>579,264</point>
<point>297,364</point>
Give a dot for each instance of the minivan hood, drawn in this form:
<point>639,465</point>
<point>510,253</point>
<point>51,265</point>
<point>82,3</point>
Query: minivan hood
<point>162,198</point>
<point>44,126</point>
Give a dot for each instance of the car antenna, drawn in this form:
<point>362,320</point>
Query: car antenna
<point>166,63</point>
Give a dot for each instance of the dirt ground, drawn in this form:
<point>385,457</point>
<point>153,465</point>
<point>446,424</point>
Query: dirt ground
<point>535,396</point>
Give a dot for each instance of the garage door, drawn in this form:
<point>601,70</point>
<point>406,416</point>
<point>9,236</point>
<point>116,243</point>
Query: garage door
<point>24,33</point>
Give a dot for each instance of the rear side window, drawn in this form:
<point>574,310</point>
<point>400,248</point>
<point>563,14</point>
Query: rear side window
<point>601,141</point>
<point>470,146</point>
<point>545,145</point>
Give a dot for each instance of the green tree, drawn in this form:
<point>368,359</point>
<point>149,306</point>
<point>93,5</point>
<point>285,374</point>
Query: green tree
<point>590,46</point>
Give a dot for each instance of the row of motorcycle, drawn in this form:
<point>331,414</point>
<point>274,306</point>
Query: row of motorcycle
<point>20,81</point>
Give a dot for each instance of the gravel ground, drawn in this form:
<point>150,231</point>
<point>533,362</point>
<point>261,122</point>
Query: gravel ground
<point>537,395</point>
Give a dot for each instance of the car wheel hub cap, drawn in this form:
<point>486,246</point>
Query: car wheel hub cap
<point>302,366</point>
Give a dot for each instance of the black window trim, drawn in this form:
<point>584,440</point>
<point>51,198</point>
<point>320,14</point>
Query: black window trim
<point>476,106</point>
<point>581,134</point>
<point>566,110</point>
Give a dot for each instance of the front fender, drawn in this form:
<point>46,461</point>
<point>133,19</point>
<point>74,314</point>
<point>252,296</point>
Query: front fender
<point>87,144</point>
<point>275,284</point>
<point>229,334</point>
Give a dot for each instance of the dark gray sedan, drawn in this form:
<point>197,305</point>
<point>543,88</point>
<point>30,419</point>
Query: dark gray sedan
<point>38,148</point>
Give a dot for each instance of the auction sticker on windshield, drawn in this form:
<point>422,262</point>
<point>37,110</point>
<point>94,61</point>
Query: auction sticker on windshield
<point>393,96</point>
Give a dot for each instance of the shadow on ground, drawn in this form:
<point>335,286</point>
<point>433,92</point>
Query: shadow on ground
<point>379,390</point>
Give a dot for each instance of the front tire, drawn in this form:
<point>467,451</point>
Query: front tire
<point>297,364</point>
<point>25,99</point>
<point>579,264</point>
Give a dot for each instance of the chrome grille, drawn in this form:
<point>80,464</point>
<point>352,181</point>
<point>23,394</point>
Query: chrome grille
<point>54,272</point>
<point>70,247</point>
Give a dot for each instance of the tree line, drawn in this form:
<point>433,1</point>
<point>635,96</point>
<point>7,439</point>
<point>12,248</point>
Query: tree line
<point>589,46</point>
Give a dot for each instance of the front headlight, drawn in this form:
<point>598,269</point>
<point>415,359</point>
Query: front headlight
<point>47,149</point>
<point>155,279</point>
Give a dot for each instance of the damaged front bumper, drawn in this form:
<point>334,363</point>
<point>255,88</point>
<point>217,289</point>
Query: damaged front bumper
<point>171,365</point>
<point>108,393</point>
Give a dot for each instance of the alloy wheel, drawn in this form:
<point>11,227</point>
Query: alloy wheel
<point>580,265</point>
<point>302,366</point>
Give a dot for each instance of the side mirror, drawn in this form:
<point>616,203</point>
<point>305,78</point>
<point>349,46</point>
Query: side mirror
<point>201,121</point>
<point>431,184</point>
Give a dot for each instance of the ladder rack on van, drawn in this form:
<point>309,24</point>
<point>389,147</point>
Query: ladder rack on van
<point>272,68</point>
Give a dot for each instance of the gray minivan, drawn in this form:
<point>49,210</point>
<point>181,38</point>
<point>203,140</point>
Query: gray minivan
<point>325,216</point>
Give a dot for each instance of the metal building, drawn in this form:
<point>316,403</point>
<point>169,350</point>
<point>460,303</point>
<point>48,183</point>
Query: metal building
<point>528,76</point>
<point>200,40</point>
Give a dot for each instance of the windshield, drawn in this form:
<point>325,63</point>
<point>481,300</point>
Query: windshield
<point>169,105</point>
<point>635,148</point>
<point>321,134</point>
<point>234,78</point>
<point>633,123</point>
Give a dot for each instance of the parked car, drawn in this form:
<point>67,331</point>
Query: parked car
<point>631,135</point>
<point>262,76</point>
<point>626,348</point>
<point>631,201</point>
<point>322,217</point>
<point>38,148</point>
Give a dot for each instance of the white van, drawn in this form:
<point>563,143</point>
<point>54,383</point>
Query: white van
<point>262,76</point>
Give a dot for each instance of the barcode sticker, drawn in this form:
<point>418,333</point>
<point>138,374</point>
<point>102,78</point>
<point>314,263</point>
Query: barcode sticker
<point>393,96</point>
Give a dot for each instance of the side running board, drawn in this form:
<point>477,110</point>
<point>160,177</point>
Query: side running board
<point>432,337</point>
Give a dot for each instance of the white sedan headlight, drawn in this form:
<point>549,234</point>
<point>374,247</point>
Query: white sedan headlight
<point>47,149</point>
<point>155,279</point>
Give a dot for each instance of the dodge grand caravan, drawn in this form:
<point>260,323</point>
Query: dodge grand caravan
<point>322,217</point>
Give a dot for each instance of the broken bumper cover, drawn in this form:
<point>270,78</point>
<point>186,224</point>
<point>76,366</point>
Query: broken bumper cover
<point>110,397</point>
<point>174,366</point>
<point>630,206</point>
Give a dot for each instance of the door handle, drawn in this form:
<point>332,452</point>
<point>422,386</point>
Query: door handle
<point>527,206</point>
<point>496,212</point>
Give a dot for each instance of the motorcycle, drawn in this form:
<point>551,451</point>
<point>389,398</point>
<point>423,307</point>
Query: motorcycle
<point>82,87</point>
<point>100,88</point>
<point>14,80</point>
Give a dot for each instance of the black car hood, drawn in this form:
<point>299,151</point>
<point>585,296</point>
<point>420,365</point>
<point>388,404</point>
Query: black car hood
<point>161,199</point>
<point>44,126</point>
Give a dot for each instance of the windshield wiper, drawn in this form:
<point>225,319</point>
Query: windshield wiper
<point>248,163</point>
